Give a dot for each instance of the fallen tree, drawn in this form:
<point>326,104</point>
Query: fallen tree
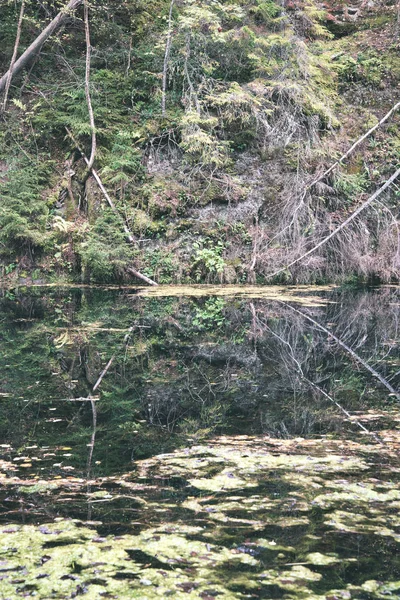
<point>37,44</point>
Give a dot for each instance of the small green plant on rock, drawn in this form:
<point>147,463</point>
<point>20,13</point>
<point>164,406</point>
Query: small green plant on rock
<point>208,261</point>
<point>350,185</point>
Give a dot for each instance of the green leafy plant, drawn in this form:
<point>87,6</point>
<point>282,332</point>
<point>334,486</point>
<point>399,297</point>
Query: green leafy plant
<point>23,210</point>
<point>208,261</point>
<point>210,315</point>
<point>350,185</point>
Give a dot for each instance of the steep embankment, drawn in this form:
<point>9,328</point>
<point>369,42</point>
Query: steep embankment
<point>211,121</point>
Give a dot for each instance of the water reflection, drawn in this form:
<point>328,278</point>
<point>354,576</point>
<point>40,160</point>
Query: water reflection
<point>277,419</point>
<point>171,370</point>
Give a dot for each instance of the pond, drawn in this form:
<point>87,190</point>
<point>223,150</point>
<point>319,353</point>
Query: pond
<point>212,443</point>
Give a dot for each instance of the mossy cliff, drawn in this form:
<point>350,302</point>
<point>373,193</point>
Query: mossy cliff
<point>211,119</point>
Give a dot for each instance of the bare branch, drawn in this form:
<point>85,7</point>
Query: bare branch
<point>351,150</point>
<point>111,204</point>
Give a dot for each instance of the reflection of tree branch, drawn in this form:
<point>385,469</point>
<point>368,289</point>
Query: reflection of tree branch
<point>94,418</point>
<point>320,390</point>
<point>348,349</point>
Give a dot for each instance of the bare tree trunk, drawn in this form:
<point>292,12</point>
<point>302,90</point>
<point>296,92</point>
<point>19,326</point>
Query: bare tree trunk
<point>35,47</point>
<point>87,87</point>
<point>363,206</point>
<point>14,56</point>
<point>166,58</point>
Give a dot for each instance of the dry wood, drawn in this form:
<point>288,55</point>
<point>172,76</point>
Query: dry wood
<point>14,56</point>
<point>78,399</point>
<point>363,206</point>
<point>36,45</point>
<point>354,146</point>
<point>104,372</point>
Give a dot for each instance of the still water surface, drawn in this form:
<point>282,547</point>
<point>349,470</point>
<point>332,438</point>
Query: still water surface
<point>238,443</point>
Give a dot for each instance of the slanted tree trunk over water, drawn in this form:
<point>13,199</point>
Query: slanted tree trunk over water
<point>36,45</point>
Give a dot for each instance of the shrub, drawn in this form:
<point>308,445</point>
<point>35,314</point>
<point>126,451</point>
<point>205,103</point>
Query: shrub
<point>106,253</point>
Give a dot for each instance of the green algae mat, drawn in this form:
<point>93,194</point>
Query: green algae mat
<point>239,517</point>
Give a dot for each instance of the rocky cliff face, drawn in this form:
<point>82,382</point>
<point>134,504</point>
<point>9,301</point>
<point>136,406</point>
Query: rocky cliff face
<point>260,98</point>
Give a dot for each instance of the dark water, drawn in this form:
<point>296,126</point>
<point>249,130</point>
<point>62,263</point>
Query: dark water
<point>235,447</point>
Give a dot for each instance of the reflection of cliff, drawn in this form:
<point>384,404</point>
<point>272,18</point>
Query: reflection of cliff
<point>190,369</point>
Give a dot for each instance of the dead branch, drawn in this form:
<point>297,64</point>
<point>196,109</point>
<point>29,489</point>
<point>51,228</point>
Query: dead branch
<point>351,149</point>
<point>36,45</point>
<point>14,56</point>
<point>325,174</point>
<point>363,206</point>
<point>104,372</point>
